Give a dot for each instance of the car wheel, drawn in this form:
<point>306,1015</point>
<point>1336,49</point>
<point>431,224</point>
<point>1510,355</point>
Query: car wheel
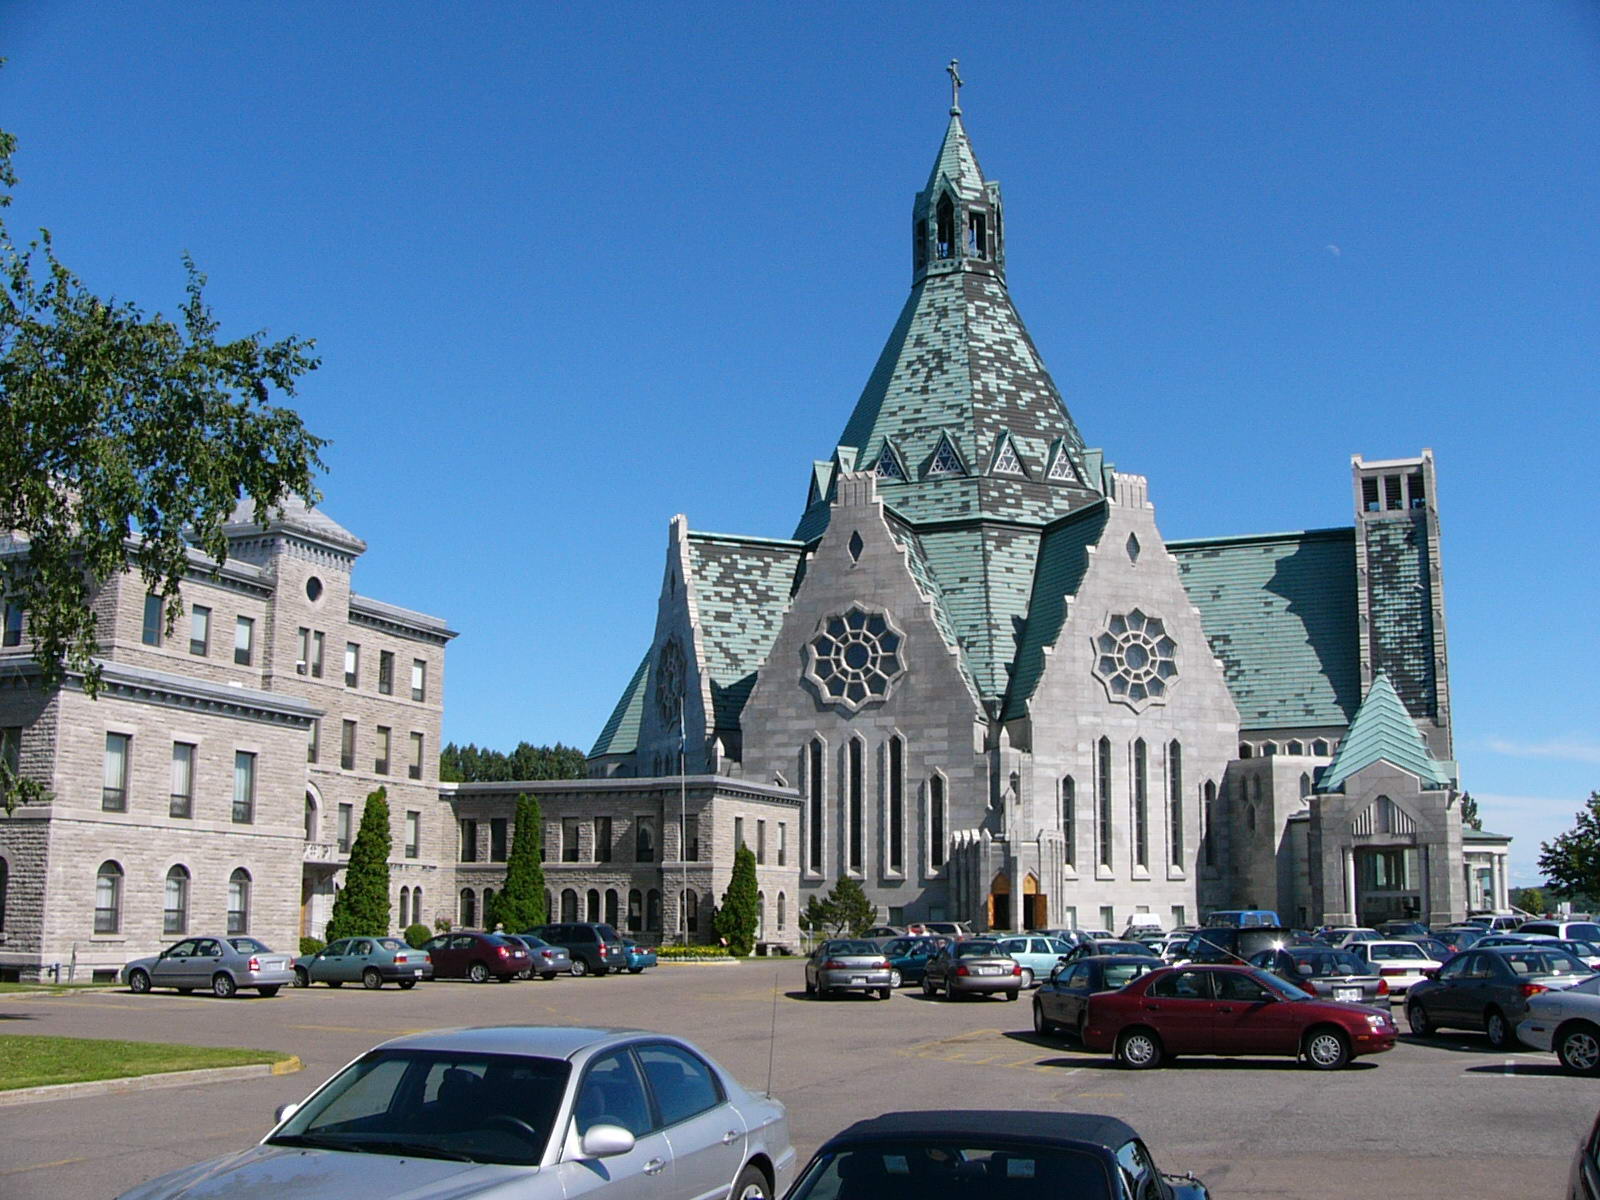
<point>406,984</point>
<point>751,1185</point>
<point>547,976</point>
<point>1326,1049</point>
<point>579,968</point>
<point>478,973</point>
<point>185,991</point>
<point>138,982</point>
<point>1139,1050</point>
<point>302,978</point>
<point>223,985</point>
<point>1578,1048</point>
<point>336,983</point>
<point>1498,1029</point>
<point>894,979</point>
<point>270,990</point>
<point>1042,1025</point>
<point>1417,1018</point>
<point>1027,978</point>
<point>371,979</point>
<point>811,988</point>
<point>1013,995</point>
<point>634,970</point>
<point>885,993</point>
<point>528,974</point>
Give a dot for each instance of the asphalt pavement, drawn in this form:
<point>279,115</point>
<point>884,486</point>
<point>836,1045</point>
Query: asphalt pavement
<point>1434,1117</point>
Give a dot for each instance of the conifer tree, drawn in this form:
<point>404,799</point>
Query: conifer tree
<point>361,909</point>
<point>739,914</point>
<point>520,904</point>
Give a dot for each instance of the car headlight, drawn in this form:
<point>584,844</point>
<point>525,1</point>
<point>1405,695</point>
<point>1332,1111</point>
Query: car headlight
<point>1377,1021</point>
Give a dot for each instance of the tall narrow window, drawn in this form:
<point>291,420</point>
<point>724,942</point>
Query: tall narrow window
<point>314,739</point>
<point>498,830</point>
<point>469,840</point>
<point>416,906</point>
<point>154,620</point>
<point>380,757</point>
<point>347,746</point>
<point>11,748</point>
<point>317,640</point>
<point>977,235</point>
<point>613,901</point>
<point>244,787</point>
<point>239,902</point>
<point>591,905</point>
<point>569,838</point>
<point>1069,820</point>
<point>1102,784</point>
<point>419,679</point>
<point>175,904</point>
<point>405,907</point>
<point>853,804</point>
<point>602,839</point>
<point>761,843</point>
<point>814,805</point>
<point>936,822</point>
<point>385,673</point>
<point>897,805</point>
<point>652,910</point>
<point>182,801</point>
<point>738,834</point>
<point>302,662</point>
<point>1141,805</point>
<point>414,767</point>
<point>352,665</point>
<point>691,838</point>
<point>114,782</point>
<point>1175,801</point>
<point>413,834</point>
<point>13,625</point>
<point>783,913</point>
<point>469,908</point>
<point>635,910</point>
<point>1208,810</point>
<point>199,630</point>
<point>644,839</point>
<point>783,843</point>
<point>346,819</point>
<point>108,898</point>
<point>311,818</point>
<point>945,228</point>
<point>244,641</point>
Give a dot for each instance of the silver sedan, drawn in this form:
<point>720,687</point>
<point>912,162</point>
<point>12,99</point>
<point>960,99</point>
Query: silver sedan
<point>849,965</point>
<point>972,968</point>
<point>552,1111</point>
<point>221,965</point>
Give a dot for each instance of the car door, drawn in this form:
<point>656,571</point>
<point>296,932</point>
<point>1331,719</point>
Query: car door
<point>612,1092</point>
<point>1471,991</point>
<point>705,1133</point>
<point>1179,1008</point>
<point>437,949</point>
<point>1068,999</point>
<point>324,967</point>
<point>1250,1019</point>
<point>357,960</point>
<point>207,961</point>
<point>172,969</point>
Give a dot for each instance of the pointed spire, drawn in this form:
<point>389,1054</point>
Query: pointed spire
<point>1383,731</point>
<point>957,163</point>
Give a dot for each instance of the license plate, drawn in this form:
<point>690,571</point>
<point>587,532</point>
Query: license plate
<point>988,970</point>
<point>416,970</point>
<point>1347,993</point>
<point>858,979</point>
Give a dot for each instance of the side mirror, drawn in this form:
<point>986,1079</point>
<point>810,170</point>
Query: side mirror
<point>284,1112</point>
<point>1431,973</point>
<point>605,1141</point>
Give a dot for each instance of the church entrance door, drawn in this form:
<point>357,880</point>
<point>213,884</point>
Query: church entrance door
<point>1388,884</point>
<point>1000,902</point>
<point>1035,904</point>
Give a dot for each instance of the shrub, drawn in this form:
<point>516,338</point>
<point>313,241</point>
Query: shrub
<point>362,906</point>
<point>692,952</point>
<point>416,934</point>
<point>311,945</point>
<point>520,903</point>
<point>737,916</point>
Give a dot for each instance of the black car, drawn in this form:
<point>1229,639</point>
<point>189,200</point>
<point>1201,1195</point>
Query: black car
<point>1489,989</point>
<point>1062,1001</point>
<point>1093,948</point>
<point>596,949</point>
<point>1226,944</point>
<point>1326,973</point>
<point>954,1155</point>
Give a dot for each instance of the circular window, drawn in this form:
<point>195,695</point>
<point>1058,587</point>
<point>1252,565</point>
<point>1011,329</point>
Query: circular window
<point>855,657</point>
<point>1136,659</point>
<point>313,589</point>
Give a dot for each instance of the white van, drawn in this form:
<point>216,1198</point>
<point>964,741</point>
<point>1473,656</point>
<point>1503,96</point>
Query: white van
<point>1142,923</point>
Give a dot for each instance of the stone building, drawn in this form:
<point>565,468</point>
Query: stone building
<point>216,781</point>
<point>1000,695</point>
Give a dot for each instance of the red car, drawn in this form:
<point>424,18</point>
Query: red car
<point>1227,1010</point>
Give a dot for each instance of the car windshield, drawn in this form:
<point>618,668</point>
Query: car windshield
<point>1323,966</point>
<point>492,1108</point>
<point>248,945</point>
<point>852,948</point>
<point>978,949</point>
<point>1119,975</point>
<point>1396,950</point>
<point>955,1169</point>
<point>1544,962</point>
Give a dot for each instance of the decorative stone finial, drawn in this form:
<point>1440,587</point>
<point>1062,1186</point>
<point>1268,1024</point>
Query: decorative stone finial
<point>954,70</point>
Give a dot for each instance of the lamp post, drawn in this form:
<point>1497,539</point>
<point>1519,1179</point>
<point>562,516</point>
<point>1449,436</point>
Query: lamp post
<point>683,834</point>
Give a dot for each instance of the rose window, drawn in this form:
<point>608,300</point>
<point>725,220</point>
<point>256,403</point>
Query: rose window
<point>1136,659</point>
<point>854,659</point>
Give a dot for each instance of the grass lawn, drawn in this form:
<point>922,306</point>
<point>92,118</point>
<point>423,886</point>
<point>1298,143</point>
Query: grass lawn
<point>30,1061</point>
<point>52,987</point>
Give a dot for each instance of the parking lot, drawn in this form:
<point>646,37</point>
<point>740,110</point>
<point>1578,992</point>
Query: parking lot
<point>1434,1117</point>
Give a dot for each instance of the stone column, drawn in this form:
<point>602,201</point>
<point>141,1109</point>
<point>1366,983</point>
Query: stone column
<point>1350,883</point>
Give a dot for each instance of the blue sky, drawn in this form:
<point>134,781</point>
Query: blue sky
<point>574,269</point>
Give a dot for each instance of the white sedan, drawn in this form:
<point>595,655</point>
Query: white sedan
<point>1400,964</point>
<point>1568,1022</point>
<point>554,1111</point>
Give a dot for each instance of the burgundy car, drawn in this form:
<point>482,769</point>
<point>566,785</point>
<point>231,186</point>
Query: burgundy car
<point>1229,1010</point>
<point>477,956</point>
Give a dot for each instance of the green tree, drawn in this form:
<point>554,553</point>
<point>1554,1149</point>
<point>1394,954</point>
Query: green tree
<point>474,764</point>
<point>1530,900</point>
<point>519,904</point>
<point>126,438</point>
<point>361,909</point>
<point>1570,863</point>
<point>847,908</point>
<point>740,912</point>
<point>1469,812</point>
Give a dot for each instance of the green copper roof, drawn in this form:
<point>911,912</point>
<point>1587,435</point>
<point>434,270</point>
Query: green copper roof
<point>1063,559</point>
<point>928,582</point>
<point>1280,612</point>
<point>1382,732</point>
<point>957,163</point>
<point>621,734</point>
<point>742,588</point>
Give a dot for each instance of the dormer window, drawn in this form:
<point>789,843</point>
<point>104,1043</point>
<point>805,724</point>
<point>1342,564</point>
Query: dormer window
<point>945,228</point>
<point>1005,462</point>
<point>888,465</point>
<point>977,235</point>
<point>945,461</point>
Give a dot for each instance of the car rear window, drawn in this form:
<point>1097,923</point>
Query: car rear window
<point>1544,962</point>
<point>955,1169</point>
<point>1396,951</point>
<point>1122,974</point>
<point>1324,966</point>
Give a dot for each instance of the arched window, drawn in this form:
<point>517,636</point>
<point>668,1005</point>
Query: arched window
<point>644,840</point>
<point>761,916</point>
<point>1269,749</point>
<point>592,905</point>
<point>612,902</point>
<point>239,901</point>
<point>1319,748</point>
<point>691,912</point>
<point>1175,801</point>
<point>783,905</point>
<point>108,898</point>
<point>897,804</point>
<point>175,905</point>
<point>1305,785</point>
<point>853,815</point>
<point>936,822</point>
<point>814,805</point>
<point>652,911</point>
<point>1141,805</point>
<point>569,904</point>
<point>311,818</point>
<point>945,228</point>
<point>1103,798</point>
<point>405,907</point>
<point>1208,806</point>
<point>469,909</point>
<point>416,907</point>
<point>1294,748</point>
<point>1069,820</point>
<point>635,910</point>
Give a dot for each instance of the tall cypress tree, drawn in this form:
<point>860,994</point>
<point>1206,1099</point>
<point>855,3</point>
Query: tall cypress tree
<point>361,909</point>
<point>736,919</point>
<point>520,904</point>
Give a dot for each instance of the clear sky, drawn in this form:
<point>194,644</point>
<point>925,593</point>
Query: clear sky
<point>573,269</point>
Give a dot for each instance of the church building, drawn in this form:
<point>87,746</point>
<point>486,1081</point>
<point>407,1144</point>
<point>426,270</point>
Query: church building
<point>997,694</point>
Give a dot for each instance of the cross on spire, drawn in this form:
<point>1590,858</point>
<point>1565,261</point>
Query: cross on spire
<point>954,70</point>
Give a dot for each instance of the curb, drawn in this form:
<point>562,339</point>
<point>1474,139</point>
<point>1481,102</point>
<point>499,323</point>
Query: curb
<point>141,1083</point>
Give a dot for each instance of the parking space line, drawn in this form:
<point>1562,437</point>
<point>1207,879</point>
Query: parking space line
<point>60,1162</point>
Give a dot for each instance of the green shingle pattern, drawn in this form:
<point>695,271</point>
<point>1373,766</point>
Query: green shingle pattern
<point>928,583</point>
<point>1382,732</point>
<point>621,734</point>
<point>957,163</point>
<point>1063,560</point>
<point>742,588</point>
<point>1279,610</point>
<point>1401,612</point>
